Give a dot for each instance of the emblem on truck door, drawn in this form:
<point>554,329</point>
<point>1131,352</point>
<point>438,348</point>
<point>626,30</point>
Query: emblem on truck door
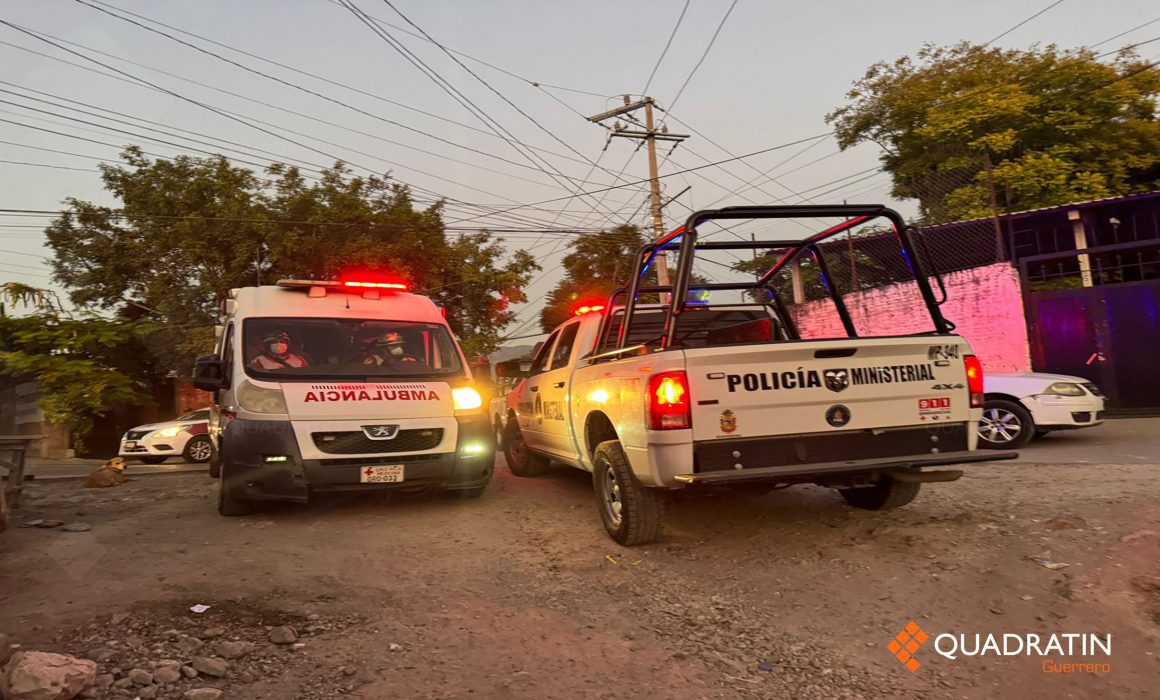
<point>837,379</point>
<point>380,432</point>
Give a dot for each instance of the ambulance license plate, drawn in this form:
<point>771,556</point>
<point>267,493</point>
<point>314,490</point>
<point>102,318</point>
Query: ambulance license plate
<point>381,475</point>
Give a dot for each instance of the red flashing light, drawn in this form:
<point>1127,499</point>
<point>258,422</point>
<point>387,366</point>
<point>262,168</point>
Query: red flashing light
<point>668,401</point>
<point>376,285</point>
<point>588,309</point>
<point>974,380</point>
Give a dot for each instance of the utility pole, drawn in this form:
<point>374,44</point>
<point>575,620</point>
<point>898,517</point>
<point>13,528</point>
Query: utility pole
<point>650,135</point>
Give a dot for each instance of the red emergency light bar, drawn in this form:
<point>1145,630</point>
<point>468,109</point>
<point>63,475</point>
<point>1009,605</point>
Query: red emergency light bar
<point>376,285</point>
<point>588,309</point>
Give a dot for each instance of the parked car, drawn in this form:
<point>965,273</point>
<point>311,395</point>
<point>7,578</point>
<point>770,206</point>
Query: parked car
<point>185,436</point>
<point>1024,405</point>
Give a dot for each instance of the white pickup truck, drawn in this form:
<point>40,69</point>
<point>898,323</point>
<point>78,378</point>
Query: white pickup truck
<point>691,394</point>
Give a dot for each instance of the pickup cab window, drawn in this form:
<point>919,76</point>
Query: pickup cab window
<point>541,362</point>
<point>563,351</point>
<point>708,327</point>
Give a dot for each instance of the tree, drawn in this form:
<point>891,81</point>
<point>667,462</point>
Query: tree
<point>597,264</point>
<point>190,229</point>
<point>963,124</point>
<point>84,367</point>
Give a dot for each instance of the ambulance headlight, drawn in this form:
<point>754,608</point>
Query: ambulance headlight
<point>466,398</point>
<point>256,399</point>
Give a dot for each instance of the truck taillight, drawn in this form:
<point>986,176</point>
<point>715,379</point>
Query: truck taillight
<point>668,401</point>
<point>974,380</point>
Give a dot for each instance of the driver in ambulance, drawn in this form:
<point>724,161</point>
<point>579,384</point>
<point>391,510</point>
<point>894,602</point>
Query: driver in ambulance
<point>387,348</point>
<point>276,354</point>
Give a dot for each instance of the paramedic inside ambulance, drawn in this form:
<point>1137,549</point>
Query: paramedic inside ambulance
<point>275,353</point>
<point>385,348</point>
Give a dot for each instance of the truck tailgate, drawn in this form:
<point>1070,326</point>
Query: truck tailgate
<point>827,386</point>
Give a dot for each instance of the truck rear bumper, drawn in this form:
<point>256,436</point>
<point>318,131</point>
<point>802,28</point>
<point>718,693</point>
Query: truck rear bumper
<point>796,472</point>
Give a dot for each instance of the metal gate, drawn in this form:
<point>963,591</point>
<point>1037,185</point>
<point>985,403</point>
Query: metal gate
<point>1095,313</point>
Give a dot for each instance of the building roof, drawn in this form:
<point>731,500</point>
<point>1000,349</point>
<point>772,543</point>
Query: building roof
<point>1154,194</point>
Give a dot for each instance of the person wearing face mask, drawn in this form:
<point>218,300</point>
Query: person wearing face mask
<point>276,354</point>
<point>387,348</point>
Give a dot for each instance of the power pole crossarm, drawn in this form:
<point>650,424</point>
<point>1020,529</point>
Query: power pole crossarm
<point>650,136</point>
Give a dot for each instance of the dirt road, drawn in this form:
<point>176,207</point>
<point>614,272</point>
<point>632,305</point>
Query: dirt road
<point>521,594</point>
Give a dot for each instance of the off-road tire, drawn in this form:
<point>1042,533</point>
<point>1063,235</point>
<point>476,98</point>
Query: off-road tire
<point>642,510</point>
<point>228,503</point>
<point>884,495</point>
<point>196,444</point>
<point>1019,414</point>
<point>519,459</point>
<point>153,459</point>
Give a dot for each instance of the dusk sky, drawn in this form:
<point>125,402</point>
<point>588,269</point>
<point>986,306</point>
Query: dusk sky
<point>773,73</point>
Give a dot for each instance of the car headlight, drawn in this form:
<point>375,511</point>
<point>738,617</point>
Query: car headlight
<point>171,431</point>
<point>256,399</point>
<point>466,398</point>
<point>1064,389</point>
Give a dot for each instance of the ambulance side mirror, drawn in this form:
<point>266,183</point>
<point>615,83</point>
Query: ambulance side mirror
<point>209,373</point>
<point>510,370</point>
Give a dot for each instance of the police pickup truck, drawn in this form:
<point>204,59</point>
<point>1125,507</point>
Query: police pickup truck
<point>687,392</point>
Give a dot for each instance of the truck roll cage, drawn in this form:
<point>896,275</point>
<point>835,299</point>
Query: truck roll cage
<point>686,238</point>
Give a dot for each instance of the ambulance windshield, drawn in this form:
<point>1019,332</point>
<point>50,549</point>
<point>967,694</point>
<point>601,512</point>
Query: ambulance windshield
<point>323,348</point>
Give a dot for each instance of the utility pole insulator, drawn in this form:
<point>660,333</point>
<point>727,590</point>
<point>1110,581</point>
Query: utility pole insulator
<point>650,135</point>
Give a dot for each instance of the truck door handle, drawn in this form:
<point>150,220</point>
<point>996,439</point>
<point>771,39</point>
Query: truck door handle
<point>559,385</point>
<point>535,388</point>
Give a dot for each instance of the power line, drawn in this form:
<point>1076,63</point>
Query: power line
<point>992,41</point>
<point>672,174</point>
<point>665,51</point>
<point>709,47</point>
<point>47,165</point>
<point>150,86</point>
<point>529,81</point>
<point>459,96</point>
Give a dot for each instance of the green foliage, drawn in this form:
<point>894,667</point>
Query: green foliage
<point>1057,126</point>
<point>597,264</point>
<point>191,229</point>
<point>84,367</point>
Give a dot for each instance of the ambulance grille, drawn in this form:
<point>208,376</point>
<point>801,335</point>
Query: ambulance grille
<point>356,443</point>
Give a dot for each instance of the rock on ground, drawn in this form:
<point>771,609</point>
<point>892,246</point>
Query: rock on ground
<point>283,635</point>
<point>211,666</point>
<point>38,675</point>
<point>202,694</point>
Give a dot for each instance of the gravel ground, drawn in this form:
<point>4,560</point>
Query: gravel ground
<point>521,594</point>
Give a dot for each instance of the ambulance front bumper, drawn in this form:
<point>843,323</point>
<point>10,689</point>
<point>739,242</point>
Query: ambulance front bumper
<point>261,461</point>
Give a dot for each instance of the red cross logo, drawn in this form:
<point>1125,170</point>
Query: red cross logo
<point>369,471</point>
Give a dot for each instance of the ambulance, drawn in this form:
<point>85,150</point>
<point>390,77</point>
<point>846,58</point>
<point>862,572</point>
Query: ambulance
<point>340,385</point>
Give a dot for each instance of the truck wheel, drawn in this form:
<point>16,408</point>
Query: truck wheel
<point>520,460</point>
<point>1005,425</point>
<point>228,502</point>
<point>884,495</point>
<point>632,514</point>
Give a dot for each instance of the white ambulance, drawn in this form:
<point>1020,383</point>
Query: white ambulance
<point>341,385</point>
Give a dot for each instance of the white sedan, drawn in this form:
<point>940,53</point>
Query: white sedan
<point>1022,405</point>
<point>186,436</point>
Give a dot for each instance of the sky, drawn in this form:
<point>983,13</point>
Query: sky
<point>775,69</point>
